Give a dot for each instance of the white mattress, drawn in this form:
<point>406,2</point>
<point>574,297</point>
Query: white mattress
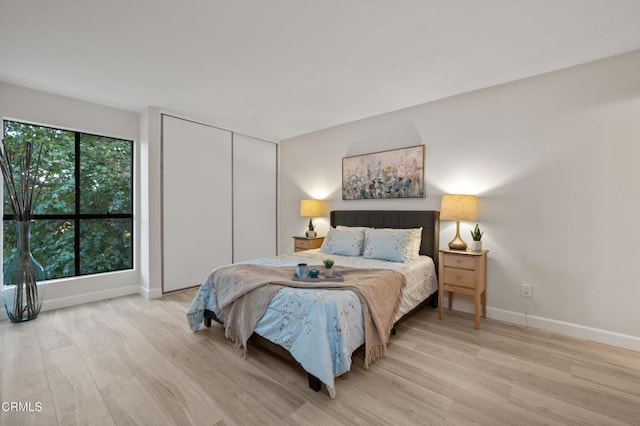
<point>421,273</point>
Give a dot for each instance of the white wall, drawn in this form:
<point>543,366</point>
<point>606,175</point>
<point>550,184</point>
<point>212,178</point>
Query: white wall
<point>22,104</point>
<point>554,160</point>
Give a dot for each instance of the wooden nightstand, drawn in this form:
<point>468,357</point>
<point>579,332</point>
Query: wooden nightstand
<point>304,243</point>
<point>464,272</point>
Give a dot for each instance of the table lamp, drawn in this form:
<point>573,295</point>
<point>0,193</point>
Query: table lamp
<point>458,207</point>
<point>311,208</point>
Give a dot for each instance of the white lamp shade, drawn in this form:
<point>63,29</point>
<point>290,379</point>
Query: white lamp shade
<point>459,207</point>
<point>311,208</point>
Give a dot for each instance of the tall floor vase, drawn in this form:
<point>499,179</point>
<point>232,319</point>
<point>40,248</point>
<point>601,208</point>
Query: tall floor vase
<point>22,289</point>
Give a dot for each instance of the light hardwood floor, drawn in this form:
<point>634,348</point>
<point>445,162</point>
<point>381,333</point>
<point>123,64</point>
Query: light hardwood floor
<point>134,361</point>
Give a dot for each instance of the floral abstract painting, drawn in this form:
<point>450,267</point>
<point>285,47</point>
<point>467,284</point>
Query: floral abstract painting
<point>397,173</point>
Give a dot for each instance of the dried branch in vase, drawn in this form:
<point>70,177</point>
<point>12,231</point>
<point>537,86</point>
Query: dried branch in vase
<point>22,180</point>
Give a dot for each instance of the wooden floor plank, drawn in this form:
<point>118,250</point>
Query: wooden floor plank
<point>23,371</point>
<point>129,403</point>
<point>75,396</point>
<point>559,411</point>
<point>57,334</point>
<point>101,358</point>
<point>105,421</point>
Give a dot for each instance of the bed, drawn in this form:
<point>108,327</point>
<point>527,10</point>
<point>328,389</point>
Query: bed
<point>331,320</point>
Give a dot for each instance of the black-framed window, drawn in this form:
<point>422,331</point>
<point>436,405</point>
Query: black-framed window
<point>83,220</point>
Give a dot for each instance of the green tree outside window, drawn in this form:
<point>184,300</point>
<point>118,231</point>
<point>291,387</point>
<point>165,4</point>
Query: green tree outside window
<point>83,223</point>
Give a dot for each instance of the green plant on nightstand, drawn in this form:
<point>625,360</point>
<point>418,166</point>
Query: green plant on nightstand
<point>476,235</point>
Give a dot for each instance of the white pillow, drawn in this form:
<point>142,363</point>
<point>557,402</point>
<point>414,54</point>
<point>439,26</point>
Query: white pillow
<point>395,245</point>
<point>345,243</point>
<point>415,235</point>
<point>356,229</point>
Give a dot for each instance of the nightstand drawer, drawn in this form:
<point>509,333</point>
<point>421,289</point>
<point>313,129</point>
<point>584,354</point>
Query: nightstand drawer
<point>304,244</point>
<point>459,277</point>
<point>459,261</point>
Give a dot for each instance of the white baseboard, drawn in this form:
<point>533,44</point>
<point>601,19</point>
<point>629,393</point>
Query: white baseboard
<point>561,327</point>
<point>150,294</point>
<point>64,302</point>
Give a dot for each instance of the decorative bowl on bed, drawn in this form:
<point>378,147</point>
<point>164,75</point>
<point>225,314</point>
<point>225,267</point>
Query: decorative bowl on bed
<point>313,273</point>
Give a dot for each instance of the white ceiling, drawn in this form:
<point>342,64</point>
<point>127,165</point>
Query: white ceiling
<point>281,68</point>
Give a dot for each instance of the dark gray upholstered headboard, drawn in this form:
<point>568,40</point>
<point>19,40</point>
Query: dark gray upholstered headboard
<point>429,220</point>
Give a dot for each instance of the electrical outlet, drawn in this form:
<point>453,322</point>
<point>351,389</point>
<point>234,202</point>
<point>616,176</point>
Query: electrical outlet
<point>526,290</point>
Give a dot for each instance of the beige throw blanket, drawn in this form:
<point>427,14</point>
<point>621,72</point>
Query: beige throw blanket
<point>243,292</point>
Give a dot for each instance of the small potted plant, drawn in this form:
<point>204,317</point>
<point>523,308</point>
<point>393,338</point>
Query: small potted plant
<point>328,268</point>
<point>311,233</point>
<point>476,244</point>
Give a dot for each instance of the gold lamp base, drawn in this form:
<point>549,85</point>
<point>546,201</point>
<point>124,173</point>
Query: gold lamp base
<point>457,243</point>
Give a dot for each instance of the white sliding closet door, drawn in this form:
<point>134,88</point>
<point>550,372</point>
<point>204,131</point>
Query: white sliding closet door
<point>196,201</point>
<point>254,198</point>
